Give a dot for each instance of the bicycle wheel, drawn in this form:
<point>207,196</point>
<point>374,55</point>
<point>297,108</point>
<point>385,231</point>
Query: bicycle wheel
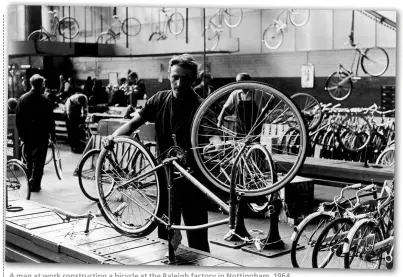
<point>299,18</point>
<point>68,27</point>
<point>39,36</point>
<point>129,196</point>
<point>232,17</point>
<point>131,26</point>
<point>387,157</point>
<point>304,238</point>
<point>339,85</point>
<point>353,133</point>
<point>212,38</point>
<point>375,61</point>
<point>17,184</point>
<point>176,23</point>
<point>49,155</point>
<point>359,253</point>
<point>57,160</point>
<point>272,107</point>
<point>258,170</point>
<point>273,37</point>
<point>328,249</point>
<point>86,174</point>
<point>285,140</point>
<point>106,38</point>
<point>310,109</point>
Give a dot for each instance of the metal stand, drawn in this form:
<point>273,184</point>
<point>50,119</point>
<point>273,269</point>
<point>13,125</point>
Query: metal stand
<point>10,208</point>
<point>365,157</point>
<point>273,245</point>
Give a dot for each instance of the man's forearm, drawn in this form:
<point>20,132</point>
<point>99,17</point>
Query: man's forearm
<point>129,127</point>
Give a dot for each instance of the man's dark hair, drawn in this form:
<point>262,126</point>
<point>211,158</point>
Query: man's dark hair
<point>36,81</point>
<point>185,61</point>
<point>243,76</point>
<point>133,75</point>
<point>122,81</point>
<point>205,74</point>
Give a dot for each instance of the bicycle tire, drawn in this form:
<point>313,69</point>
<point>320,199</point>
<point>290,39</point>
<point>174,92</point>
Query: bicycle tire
<point>355,136</point>
<point>66,23</point>
<point>106,38</point>
<point>212,39</point>
<point>17,181</point>
<point>123,210</point>
<point>336,91</point>
<point>340,227</point>
<point>84,173</point>
<point>298,18</point>
<point>285,140</point>
<point>57,160</point>
<point>38,35</point>
<point>270,100</point>
<point>310,109</point>
<point>272,37</point>
<point>49,154</point>
<point>174,20</point>
<point>131,26</point>
<point>301,250</point>
<point>375,66</point>
<point>387,157</point>
<point>360,229</point>
<point>228,17</point>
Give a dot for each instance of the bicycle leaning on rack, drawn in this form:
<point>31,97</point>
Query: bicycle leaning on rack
<point>67,27</point>
<point>131,26</point>
<point>273,35</point>
<point>374,61</point>
<point>136,180</point>
<point>231,17</point>
<point>173,22</point>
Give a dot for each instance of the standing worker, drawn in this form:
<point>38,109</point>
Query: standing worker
<point>35,123</point>
<point>172,112</point>
<point>76,112</point>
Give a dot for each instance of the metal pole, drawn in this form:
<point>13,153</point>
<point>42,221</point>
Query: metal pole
<point>204,48</point>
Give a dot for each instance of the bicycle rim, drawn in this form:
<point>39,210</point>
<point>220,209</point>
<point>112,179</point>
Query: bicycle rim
<point>232,17</point>
<point>387,157</point>
<point>328,250</point>
<point>86,174</point>
<point>39,36</point>
<point>359,255</point>
<point>299,18</point>
<point>257,169</point>
<point>106,38</point>
<point>354,133</point>
<point>375,61</point>
<point>49,155</point>
<point>272,107</point>
<point>131,26</point>
<point>176,23</point>
<point>17,184</point>
<point>272,37</point>
<point>68,27</point>
<point>310,109</point>
<point>129,206</point>
<point>336,90</point>
<point>302,246</point>
<point>57,161</point>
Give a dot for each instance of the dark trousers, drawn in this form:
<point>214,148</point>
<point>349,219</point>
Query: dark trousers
<point>35,154</point>
<point>76,133</point>
<point>191,203</point>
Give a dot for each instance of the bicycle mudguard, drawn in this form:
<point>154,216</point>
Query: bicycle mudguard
<point>351,233</point>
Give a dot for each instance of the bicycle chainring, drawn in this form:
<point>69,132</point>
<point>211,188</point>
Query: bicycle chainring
<point>177,152</point>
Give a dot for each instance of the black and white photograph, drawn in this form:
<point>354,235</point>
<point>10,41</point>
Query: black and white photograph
<point>222,139</point>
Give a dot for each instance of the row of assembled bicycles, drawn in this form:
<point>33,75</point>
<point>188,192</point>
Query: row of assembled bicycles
<point>357,134</point>
<point>350,232</point>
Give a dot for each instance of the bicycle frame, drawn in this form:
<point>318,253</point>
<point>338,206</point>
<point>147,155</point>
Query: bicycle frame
<point>117,23</point>
<point>163,31</point>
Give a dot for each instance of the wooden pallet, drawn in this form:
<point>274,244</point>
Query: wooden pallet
<point>38,235</point>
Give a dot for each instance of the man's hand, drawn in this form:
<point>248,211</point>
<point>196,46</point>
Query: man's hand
<point>108,142</point>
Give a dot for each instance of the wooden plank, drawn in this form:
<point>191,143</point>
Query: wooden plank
<point>187,257</point>
<point>207,261</point>
<point>17,230</point>
<point>27,217</point>
<point>42,223</point>
<point>39,250</point>
<point>141,251</point>
<point>86,256</point>
<point>18,254</point>
<point>36,210</point>
<point>124,246</point>
<point>153,258</point>
<point>228,264</point>
<point>104,242</point>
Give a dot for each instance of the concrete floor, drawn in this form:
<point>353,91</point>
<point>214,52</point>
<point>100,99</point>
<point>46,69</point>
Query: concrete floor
<point>66,194</point>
